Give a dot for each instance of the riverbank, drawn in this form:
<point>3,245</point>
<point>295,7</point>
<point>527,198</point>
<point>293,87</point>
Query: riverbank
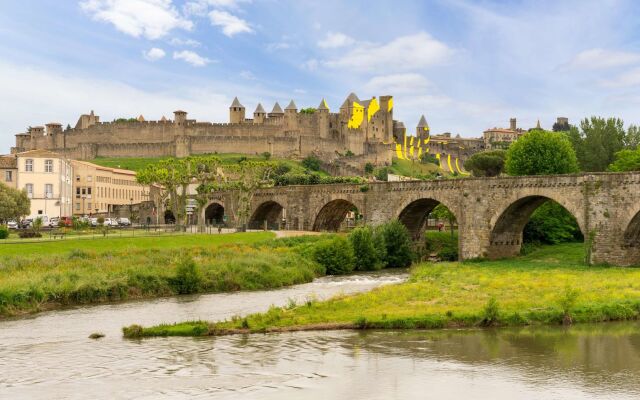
<point>551,285</point>
<point>44,276</point>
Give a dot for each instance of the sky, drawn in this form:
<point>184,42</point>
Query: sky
<point>466,65</point>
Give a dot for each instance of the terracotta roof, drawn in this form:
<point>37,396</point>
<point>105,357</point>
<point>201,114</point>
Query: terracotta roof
<point>39,154</point>
<point>501,130</point>
<point>103,168</point>
<point>8,162</point>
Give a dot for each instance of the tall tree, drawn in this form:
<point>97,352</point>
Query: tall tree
<point>541,152</point>
<point>598,142</point>
<point>626,160</point>
<point>486,163</point>
<point>14,204</point>
<point>632,139</point>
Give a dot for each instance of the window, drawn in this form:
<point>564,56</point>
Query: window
<point>48,165</point>
<point>28,165</point>
<point>29,188</point>
<point>89,178</point>
<point>48,190</point>
<point>84,191</point>
<point>8,176</point>
<point>89,191</point>
<point>89,206</point>
<point>77,178</point>
<point>78,206</point>
<point>77,192</point>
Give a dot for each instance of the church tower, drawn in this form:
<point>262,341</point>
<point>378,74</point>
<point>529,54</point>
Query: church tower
<point>236,112</point>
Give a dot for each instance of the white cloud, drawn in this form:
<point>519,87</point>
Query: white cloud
<point>335,40</point>
<point>191,57</point>
<point>397,83</point>
<point>200,7</point>
<point>248,75</point>
<point>278,46</point>
<point>403,53</point>
<point>152,19</point>
<point>300,91</point>
<point>154,54</point>
<point>230,24</point>
<point>310,65</point>
<point>626,79</point>
<point>184,42</point>
<point>601,59</point>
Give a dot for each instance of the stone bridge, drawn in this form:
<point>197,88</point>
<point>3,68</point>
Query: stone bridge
<point>491,212</point>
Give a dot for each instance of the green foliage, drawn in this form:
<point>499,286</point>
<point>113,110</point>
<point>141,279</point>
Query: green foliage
<point>266,155</point>
<point>349,153</point>
<point>441,212</point>
<point>551,224</point>
<point>486,163</point>
<point>308,110</point>
<point>598,140</point>
<point>491,312</point>
<point>443,244</point>
<point>187,279</point>
<point>427,158</point>
<point>36,225</point>
<point>367,257</point>
<point>626,160</point>
<point>282,168</point>
<point>368,168</point>
<point>568,300</point>
<point>311,163</point>
<point>120,120</point>
<point>14,204</point>
<point>4,232</point>
<point>335,255</point>
<point>397,244</point>
<point>561,127</point>
<point>313,179</point>
<point>541,152</point>
<point>382,174</point>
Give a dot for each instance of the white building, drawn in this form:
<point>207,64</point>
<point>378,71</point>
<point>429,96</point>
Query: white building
<point>47,179</point>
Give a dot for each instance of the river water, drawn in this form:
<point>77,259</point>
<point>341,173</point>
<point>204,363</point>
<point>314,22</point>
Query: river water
<point>49,356</point>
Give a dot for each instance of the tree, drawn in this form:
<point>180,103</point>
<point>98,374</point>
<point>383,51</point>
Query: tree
<point>626,160</point>
<point>632,138</point>
<point>427,158</point>
<point>551,224</point>
<point>561,127</point>
<point>308,110</point>
<point>398,244</point>
<point>364,249</point>
<point>14,204</point>
<point>312,163</point>
<point>598,141</point>
<point>441,212</point>
<point>541,152</point>
<point>335,255</point>
<point>486,163</point>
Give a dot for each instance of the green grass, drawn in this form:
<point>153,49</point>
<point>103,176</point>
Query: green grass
<point>138,163</point>
<point>413,169</point>
<point>110,244</point>
<point>120,269</point>
<point>543,287</point>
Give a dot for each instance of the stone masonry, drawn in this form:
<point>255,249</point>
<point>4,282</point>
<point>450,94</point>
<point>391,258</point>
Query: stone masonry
<point>491,212</point>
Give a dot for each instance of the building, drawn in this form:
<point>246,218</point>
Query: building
<point>501,138</point>
<point>360,128</point>
<point>9,170</point>
<point>46,177</point>
<point>98,189</point>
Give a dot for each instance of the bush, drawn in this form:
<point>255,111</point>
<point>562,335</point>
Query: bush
<point>282,168</point>
<point>4,232</point>
<point>335,255</point>
<point>29,234</point>
<point>427,158</point>
<point>551,224</point>
<point>368,168</point>
<point>366,256</point>
<point>397,244</point>
<point>486,163</point>
<point>311,163</point>
<point>187,279</point>
<point>382,174</point>
<point>442,244</point>
<point>266,155</point>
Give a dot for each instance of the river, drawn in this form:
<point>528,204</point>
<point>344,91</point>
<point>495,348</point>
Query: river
<point>49,356</point>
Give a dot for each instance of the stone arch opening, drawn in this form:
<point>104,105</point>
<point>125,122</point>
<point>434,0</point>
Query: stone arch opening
<point>506,236</point>
<point>169,218</point>
<point>269,212</point>
<point>335,215</point>
<point>632,233</point>
<point>214,214</point>
<point>416,216</point>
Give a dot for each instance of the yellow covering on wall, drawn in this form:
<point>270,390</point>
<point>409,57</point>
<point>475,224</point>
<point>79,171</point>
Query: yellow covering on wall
<point>374,107</point>
<point>357,117</point>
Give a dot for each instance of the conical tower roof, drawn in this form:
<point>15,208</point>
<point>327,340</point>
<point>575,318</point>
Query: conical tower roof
<point>423,122</point>
<point>236,103</point>
<point>538,125</point>
<point>323,105</point>
<point>259,109</point>
<point>140,118</point>
<point>291,106</point>
<point>277,109</point>
<point>353,97</point>
<point>400,124</point>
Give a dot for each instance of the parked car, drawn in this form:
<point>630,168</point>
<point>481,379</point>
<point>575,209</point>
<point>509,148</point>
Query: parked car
<point>12,225</point>
<point>54,222</point>
<point>123,221</point>
<point>110,222</point>
<point>93,221</point>
<point>67,221</point>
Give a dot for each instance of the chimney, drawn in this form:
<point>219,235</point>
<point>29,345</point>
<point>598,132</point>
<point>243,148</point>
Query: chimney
<point>512,124</point>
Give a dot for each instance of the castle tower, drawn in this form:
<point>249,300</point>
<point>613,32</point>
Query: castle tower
<point>236,112</point>
<point>512,124</point>
<point>323,119</point>
<point>347,105</point>
<point>179,117</point>
<point>259,115</point>
<point>386,112</point>
<point>276,112</point>
<point>422,130</point>
<point>291,116</point>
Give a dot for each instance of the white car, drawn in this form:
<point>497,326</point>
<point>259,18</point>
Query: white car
<point>54,222</point>
<point>123,221</point>
<point>110,222</point>
<point>93,221</point>
<point>12,225</point>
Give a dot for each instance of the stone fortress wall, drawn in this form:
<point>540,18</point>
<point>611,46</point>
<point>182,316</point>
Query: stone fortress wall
<point>283,133</point>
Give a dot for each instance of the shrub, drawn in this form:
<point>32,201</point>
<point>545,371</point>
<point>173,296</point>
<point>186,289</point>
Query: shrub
<point>427,158</point>
<point>382,174</point>
<point>282,168</point>
<point>4,232</point>
<point>266,155</point>
<point>29,234</point>
<point>443,244</point>
<point>491,313</point>
<point>486,163</point>
<point>368,168</point>
<point>335,255</point>
<point>187,279</point>
<point>397,244</point>
<point>312,163</point>
<point>366,256</point>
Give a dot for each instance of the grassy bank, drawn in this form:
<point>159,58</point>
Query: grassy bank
<point>548,286</point>
<point>41,276</point>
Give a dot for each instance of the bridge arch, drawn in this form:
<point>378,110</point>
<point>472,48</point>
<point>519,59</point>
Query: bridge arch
<point>507,226</point>
<point>270,212</point>
<point>414,214</point>
<point>632,232</point>
<point>332,214</point>
<point>214,213</point>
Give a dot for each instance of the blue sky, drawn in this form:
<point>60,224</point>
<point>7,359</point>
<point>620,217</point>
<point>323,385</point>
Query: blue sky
<point>467,65</point>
